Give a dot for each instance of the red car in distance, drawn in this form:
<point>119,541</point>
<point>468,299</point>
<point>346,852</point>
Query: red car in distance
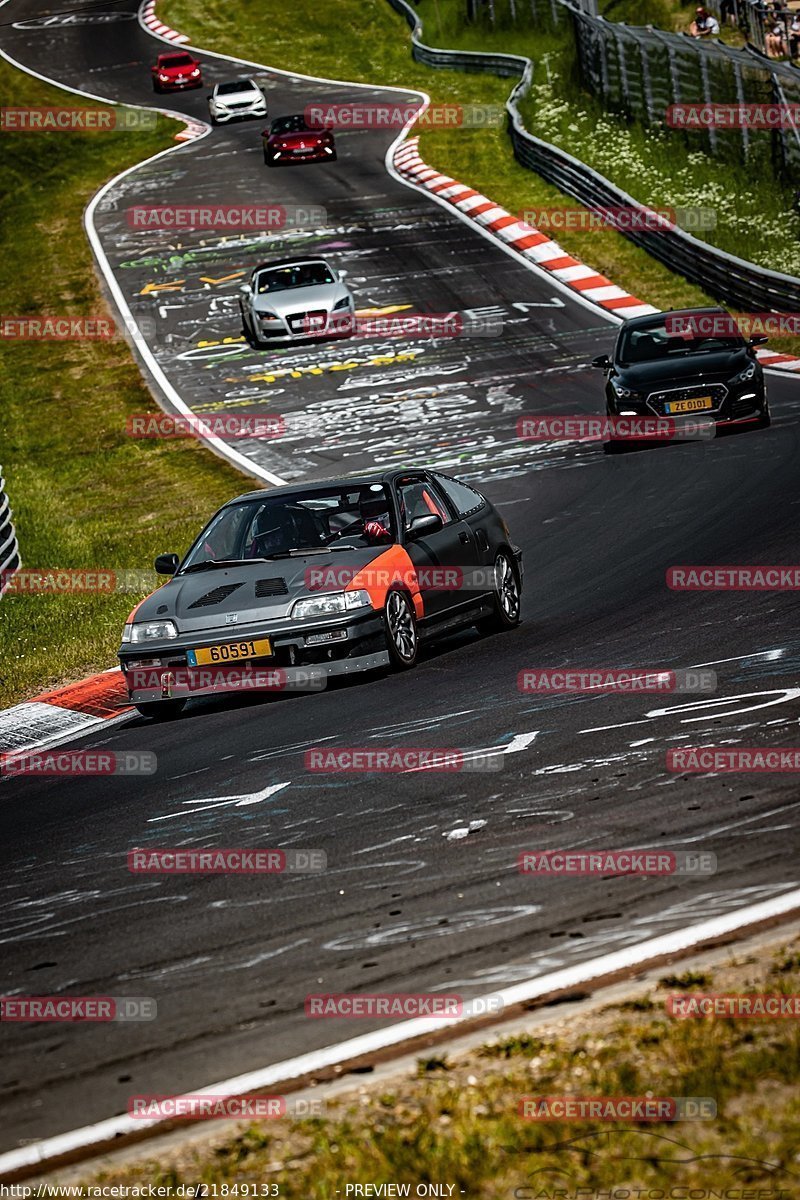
<point>291,139</point>
<point>176,72</point>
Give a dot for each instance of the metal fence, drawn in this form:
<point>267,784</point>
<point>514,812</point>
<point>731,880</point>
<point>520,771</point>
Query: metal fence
<point>770,30</point>
<point>731,280</point>
<point>641,72</point>
<point>9,549</point>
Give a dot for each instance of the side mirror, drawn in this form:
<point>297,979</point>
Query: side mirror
<point>166,564</point>
<point>429,524</point>
<point>343,274</point>
<point>759,340</point>
<point>602,360</point>
<point>244,288</point>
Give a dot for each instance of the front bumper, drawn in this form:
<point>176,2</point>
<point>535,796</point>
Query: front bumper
<point>279,329</point>
<point>224,116</point>
<point>172,86</point>
<point>733,403</point>
<point>296,155</point>
<point>152,670</point>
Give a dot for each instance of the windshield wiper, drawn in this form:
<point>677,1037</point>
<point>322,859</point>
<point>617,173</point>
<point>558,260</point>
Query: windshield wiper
<point>210,563</point>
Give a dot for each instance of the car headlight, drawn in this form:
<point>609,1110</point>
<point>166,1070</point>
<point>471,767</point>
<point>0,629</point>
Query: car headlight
<point>266,314</point>
<point>150,631</point>
<point>195,73</point>
<point>329,604</point>
<point>164,78</point>
<point>623,392</point>
<point>746,374</point>
<point>345,303</point>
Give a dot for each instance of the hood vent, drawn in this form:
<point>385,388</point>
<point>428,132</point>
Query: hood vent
<point>271,587</point>
<point>216,596</point>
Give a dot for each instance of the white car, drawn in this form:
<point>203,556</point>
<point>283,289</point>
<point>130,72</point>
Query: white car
<point>237,99</point>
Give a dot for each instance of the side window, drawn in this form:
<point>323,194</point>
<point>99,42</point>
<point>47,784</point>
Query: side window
<point>418,498</point>
<point>465,498</point>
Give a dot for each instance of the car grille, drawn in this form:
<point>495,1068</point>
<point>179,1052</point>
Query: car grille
<point>216,596</point>
<point>306,321</point>
<point>717,392</point>
<point>271,587</point>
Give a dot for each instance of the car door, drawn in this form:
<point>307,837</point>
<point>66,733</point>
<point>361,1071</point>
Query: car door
<point>442,556</point>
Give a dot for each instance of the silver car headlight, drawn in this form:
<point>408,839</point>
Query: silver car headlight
<point>264,314</point>
<point>746,374</point>
<point>149,631</point>
<point>329,605</point>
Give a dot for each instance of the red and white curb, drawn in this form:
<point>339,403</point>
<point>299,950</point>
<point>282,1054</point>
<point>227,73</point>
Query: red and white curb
<point>525,239</point>
<point>152,22</point>
<point>65,712</point>
<point>538,247</point>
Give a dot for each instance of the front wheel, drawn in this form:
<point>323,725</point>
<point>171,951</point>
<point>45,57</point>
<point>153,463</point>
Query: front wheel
<point>765,419</point>
<point>400,625</point>
<point>160,710</point>
<point>505,597</point>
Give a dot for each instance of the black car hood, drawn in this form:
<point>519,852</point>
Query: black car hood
<point>256,591</point>
<point>711,368</point>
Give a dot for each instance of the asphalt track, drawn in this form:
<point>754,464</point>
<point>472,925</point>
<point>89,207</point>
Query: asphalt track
<point>402,907</point>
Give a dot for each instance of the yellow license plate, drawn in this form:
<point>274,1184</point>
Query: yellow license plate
<point>230,652</point>
<point>695,405</point>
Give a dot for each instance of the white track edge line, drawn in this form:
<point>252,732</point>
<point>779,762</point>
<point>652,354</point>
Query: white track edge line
<point>370,1043</point>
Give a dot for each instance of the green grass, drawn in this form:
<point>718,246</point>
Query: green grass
<point>83,494</point>
<point>318,40</point>
<point>461,1126</point>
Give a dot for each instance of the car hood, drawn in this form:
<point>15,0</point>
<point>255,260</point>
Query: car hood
<point>308,136</point>
<point>711,368</point>
<point>257,591</point>
<point>302,299</point>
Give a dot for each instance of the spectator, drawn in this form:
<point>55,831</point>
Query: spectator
<point>727,11</point>
<point>776,38</point>
<point>794,36</point>
<point>704,25</point>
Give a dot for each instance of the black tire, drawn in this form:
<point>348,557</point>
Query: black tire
<point>160,710</point>
<point>615,447</point>
<point>400,627</point>
<point>333,157</point>
<point>505,597</point>
<point>766,418</point>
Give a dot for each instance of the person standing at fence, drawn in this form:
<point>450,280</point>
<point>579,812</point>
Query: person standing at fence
<point>704,25</point>
<point>794,36</point>
<point>727,12</point>
<point>775,40</point>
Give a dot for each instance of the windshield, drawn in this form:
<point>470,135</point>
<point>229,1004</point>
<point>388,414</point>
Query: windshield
<point>284,279</point>
<point>178,60</point>
<point>289,125</point>
<point>238,85</point>
<point>270,527</point>
<point>652,342</point>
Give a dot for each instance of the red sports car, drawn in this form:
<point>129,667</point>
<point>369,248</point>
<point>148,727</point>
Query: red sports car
<point>290,139</point>
<point>176,72</point>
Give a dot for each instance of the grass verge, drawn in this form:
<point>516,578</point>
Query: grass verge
<point>455,1122</point>
<point>83,494</point>
<point>319,41</point>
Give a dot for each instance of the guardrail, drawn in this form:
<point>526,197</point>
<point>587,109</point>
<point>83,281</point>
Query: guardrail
<point>9,549</point>
<point>734,281</point>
